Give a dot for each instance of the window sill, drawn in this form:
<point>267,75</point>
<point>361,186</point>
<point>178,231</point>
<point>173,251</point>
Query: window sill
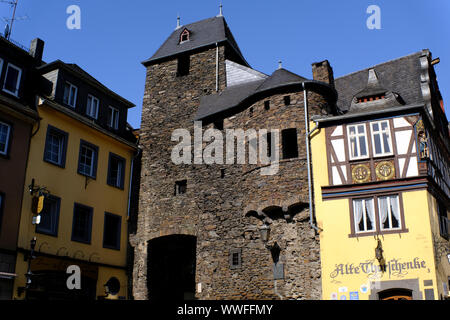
<point>91,117</point>
<point>121,188</point>
<point>11,93</point>
<point>359,159</point>
<point>59,165</point>
<point>111,247</point>
<point>87,176</point>
<point>81,241</point>
<point>382,156</point>
<point>5,156</point>
<point>68,105</point>
<point>47,233</point>
<point>374,233</point>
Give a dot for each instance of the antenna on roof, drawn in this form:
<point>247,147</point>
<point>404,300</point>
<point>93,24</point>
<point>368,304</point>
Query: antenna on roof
<point>178,22</point>
<point>220,10</point>
<point>10,22</point>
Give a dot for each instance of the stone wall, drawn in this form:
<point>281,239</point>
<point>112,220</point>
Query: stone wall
<point>225,205</point>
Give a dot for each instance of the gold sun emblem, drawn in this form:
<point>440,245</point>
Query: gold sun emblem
<point>361,173</point>
<point>385,170</point>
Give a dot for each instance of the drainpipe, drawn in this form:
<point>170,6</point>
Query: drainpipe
<point>217,67</point>
<point>275,288</point>
<point>131,180</point>
<point>308,158</point>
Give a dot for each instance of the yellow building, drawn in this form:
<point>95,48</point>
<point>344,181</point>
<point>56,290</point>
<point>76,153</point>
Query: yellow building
<point>80,160</point>
<point>382,190</point>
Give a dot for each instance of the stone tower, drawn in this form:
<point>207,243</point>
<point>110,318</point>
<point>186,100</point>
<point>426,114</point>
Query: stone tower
<point>200,226</point>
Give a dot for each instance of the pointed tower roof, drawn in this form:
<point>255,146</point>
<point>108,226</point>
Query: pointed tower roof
<point>204,33</point>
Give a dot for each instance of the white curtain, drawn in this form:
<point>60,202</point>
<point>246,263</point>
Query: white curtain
<point>357,204</point>
<point>370,212</point>
<point>383,210</point>
<point>394,208</point>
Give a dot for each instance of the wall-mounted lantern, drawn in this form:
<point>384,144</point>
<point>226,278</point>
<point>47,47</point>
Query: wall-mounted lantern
<point>275,250</point>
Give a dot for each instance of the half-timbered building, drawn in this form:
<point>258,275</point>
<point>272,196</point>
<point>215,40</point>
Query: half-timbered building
<point>382,201</point>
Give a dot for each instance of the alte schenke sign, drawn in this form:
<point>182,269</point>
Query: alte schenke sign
<point>393,267</point>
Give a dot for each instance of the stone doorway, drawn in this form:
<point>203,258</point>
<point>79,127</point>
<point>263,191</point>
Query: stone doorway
<point>395,294</point>
<point>171,268</point>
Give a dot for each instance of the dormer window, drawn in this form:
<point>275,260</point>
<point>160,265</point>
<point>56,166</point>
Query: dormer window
<point>12,80</point>
<point>70,94</point>
<point>92,106</point>
<point>185,36</point>
<point>371,98</point>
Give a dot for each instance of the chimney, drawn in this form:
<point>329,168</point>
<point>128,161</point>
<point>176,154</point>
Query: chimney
<point>322,71</point>
<point>37,49</point>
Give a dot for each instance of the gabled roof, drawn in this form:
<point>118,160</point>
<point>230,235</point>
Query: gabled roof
<point>203,33</point>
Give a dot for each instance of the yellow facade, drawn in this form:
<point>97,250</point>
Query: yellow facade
<point>350,269</point>
<point>71,187</point>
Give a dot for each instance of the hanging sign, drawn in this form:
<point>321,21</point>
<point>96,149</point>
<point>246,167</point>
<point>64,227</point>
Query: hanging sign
<point>37,204</point>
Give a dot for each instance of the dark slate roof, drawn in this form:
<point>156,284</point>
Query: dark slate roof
<point>234,96</point>
<point>202,34</point>
<point>373,86</point>
<point>79,72</point>
<point>231,96</point>
<point>400,76</point>
<point>280,77</point>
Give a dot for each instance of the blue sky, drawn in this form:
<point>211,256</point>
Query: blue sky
<point>116,36</point>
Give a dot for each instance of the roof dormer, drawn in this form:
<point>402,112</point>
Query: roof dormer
<point>185,35</point>
<point>374,95</point>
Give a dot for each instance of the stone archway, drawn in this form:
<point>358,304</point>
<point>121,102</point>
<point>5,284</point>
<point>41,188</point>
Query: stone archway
<point>171,267</point>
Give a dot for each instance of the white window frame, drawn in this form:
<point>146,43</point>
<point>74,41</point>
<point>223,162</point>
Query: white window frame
<point>89,106</point>
<point>8,137</point>
<point>120,171</point>
<point>92,164</point>
<point>381,132</point>
<point>389,213</point>
<point>60,148</point>
<point>16,92</point>
<point>115,111</point>
<point>70,92</point>
<point>364,215</point>
<point>357,136</point>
